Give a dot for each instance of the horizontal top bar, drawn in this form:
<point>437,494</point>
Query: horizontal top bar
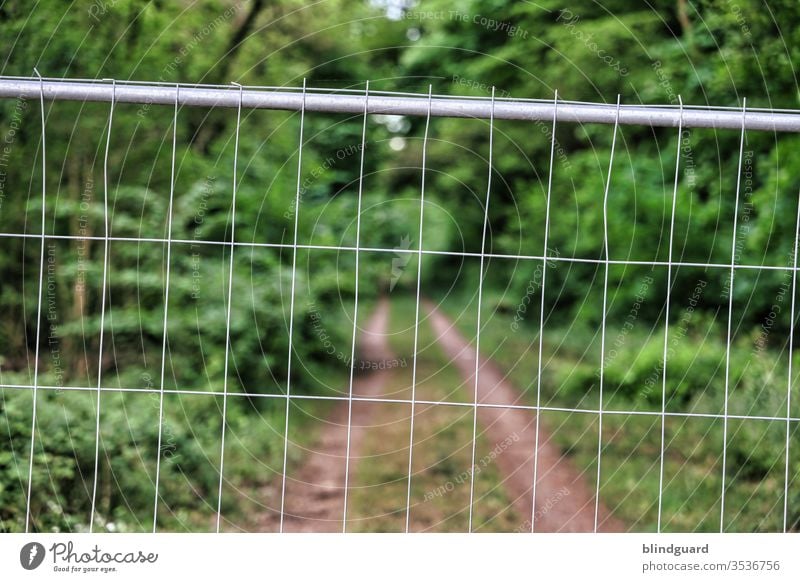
<point>291,99</point>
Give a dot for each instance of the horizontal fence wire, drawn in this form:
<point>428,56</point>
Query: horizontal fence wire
<point>400,250</point>
<point>455,403</point>
<point>363,103</point>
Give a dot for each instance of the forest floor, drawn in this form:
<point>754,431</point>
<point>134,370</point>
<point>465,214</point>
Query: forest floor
<point>315,495</point>
<point>564,501</point>
<point>378,496</point>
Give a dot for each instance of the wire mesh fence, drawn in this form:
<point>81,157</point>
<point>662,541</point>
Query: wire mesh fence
<point>511,438</point>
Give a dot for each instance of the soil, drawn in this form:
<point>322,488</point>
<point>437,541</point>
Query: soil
<point>565,502</point>
<point>315,492</point>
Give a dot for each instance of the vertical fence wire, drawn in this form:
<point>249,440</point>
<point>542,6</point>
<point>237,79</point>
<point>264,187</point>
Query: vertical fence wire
<point>355,310</point>
<point>541,312</point>
<point>38,308</point>
<point>291,309</point>
<point>416,311</point>
<point>603,317</point>
<point>666,316</point>
<point>730,322</point>
<point>165,334</point>
<point>478,327</point>
<point>102,312</point>
<point>228,312</point>
<point>789,381</point>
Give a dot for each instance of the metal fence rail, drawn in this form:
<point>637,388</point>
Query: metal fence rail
<point>355,102</point>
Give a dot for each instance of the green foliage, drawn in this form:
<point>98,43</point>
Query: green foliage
<point>707,52</point>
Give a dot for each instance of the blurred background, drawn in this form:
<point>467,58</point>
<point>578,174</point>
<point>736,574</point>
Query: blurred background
<point>707,52</point>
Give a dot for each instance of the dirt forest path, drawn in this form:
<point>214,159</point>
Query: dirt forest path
<point>315,493</point>
<point>565,503</point>
<point>315,489</point>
